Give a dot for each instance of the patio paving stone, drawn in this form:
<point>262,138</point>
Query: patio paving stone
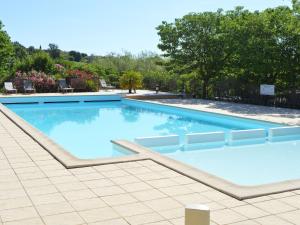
<point>64,219</point>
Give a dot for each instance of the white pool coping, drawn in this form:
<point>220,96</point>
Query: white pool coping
<point>142,153</point>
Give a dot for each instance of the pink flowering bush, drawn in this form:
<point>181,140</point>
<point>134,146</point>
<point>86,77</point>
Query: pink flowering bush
<point>80,74</point>
<point>59,68</point>
<point>82,80</point>
<point>41,81</point>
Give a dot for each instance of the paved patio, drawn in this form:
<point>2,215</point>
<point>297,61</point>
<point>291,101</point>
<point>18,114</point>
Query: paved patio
<point>272,114</point>
<point>36,189</point>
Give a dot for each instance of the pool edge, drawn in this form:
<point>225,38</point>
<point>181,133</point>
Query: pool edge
<point>204,111</point>
<point>69,161</point>
<point>59,153</point>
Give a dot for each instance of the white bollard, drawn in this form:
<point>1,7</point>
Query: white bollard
<point>197,215</point>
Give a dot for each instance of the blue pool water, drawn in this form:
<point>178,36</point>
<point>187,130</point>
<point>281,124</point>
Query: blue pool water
<point>86,129</point>
<point>248,165</point>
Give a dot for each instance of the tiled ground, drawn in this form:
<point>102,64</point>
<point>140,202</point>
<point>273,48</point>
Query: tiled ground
<point>35,189</point>
<point>272,114</point>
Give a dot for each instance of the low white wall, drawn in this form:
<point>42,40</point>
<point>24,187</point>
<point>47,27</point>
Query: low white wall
<point>283,131</point>
<point>158,141</point>
<point>241,135</point>
<point>205,137</point>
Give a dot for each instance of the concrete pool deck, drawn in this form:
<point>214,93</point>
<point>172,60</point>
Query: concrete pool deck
<point>36,189</point>
<point>272,114</point>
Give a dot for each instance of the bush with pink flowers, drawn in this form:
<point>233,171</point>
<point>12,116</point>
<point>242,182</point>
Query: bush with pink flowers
<point>41,81</point>
<point>82,80</point>
<point>80,74</point>
<point>59,68</point>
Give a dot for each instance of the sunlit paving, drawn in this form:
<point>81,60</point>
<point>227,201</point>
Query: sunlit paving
<point>150,112</point>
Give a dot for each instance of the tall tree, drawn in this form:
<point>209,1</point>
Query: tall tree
<point>20,51</point>
<point>54,51</point>
<point>6,54</point>
<point>195,43</point>
<point>296,6</point>
<point>31,50</point>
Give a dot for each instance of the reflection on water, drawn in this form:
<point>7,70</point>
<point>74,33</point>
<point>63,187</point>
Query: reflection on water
<point>130,114</point>
<point>86,129</point>
<point>47,120</point>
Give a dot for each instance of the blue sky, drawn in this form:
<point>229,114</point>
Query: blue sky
<point>104,26</point>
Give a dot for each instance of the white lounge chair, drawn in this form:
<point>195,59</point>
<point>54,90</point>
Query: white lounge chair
<point>104,85</point>
<point>9,87</point>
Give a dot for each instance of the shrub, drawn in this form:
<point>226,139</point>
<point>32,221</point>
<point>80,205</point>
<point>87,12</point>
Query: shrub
<point>39,61</point>
<point>80,74</point>
<point>42,82</point>
<point>131,80</point>
<point>59,68</point>
<point>92,85</point>
<point>6,55</point>
<point>82,80</point>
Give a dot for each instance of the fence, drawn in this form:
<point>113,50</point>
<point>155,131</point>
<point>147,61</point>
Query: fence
<point>285,101</point>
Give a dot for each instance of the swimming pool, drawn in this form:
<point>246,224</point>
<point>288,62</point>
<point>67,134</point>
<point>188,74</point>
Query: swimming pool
<point>247,165</point>
<point>86,129</point>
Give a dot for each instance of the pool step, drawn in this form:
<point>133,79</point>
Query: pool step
<point>158,141</point>
<point>219,139</point>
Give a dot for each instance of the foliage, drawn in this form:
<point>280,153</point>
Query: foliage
<point>82,80</point>
<point>91,85</point>
<point>41,81</point>
<point>39,61</point>
<point>80,74</point>
<point>233,52</point>
<point>54,51</point>
<point>189,83</point>
<point>6,54</point>
<point>131,80</point>
<point>76,56</point>
<point>296,7</point>
<point>20,51</point>
<point>166,81</point>
<point>195,43</point>
<point>31,50</point>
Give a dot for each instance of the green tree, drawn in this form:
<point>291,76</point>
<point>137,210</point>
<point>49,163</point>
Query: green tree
<point>20,51</point>
<point>296,6</point>
<point>251,46</point>
<point>287,32</point>
<point>76,56</point>
<point>6,54</point>
<point>54,51</point>
<point>39,61</point>
<point>131,80</point>
<point>264,48</point>
<point>195,43</point>
<point>31,50</point>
